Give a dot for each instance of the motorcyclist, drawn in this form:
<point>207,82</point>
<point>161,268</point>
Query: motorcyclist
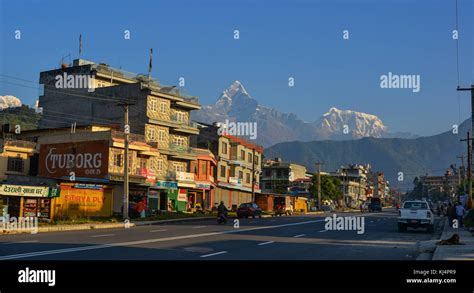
<point>222,210</point>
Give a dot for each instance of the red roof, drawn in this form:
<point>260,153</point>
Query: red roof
<point>245,143</point>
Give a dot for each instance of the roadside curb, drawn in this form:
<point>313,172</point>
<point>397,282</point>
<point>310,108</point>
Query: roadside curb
<point>60,228</point>
<point>428,248</point>
<point>144,223</point>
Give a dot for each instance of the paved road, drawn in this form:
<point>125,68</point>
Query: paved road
<point>285,238</point>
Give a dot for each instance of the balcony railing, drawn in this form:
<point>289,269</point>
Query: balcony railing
<point>180,149</point>
<point>132,136</point>
<point>174,118</point>
<point>19,143</point>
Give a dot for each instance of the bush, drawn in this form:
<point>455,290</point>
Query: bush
<point>469,219</point>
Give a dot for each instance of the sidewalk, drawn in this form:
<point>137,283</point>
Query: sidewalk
<point>455,252</point>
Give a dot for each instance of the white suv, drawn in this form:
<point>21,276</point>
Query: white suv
<point>416,214</point>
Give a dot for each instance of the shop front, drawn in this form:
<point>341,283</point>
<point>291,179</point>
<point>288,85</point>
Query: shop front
<point>201,195</point>
<point>27,201</point>
<point>167,196</point>
<point>79,200</point>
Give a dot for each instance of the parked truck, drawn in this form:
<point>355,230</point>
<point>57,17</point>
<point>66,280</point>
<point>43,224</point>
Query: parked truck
<point>416,214</point>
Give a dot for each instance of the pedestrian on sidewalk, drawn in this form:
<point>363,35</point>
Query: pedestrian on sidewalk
<point>451,213</point>
<point>460,212</point>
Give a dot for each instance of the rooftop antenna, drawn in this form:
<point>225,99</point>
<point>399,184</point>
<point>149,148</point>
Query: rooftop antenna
<point>64,57</point>
<point>150,66</point>
<point>80,45</point>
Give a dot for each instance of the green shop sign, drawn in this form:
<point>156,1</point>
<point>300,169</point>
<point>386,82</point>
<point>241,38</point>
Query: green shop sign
<point>167,184</point>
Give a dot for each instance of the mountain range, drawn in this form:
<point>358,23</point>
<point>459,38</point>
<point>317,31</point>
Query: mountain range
<point>237,105</point>
<point>401,156</point>
<point>431,155</point>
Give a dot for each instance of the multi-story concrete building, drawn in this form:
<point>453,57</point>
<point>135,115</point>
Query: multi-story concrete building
<point>446,183</point>
<point>88,167</point>
<point>22,193</point>
<point>161,114</point>
<point>377,180</point>
<point>354,183</point>
<point>284,183</point>
<point>238,165</point>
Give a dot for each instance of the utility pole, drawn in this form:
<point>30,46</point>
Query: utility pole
<point>461,175</point>
<point>469,158</point>
<point>469,164</point>
<point>318,164</point>
<point>253,175</point>
<point>126,131</point>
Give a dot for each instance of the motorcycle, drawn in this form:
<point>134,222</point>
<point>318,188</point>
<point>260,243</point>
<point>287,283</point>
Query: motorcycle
<point>221,218</point>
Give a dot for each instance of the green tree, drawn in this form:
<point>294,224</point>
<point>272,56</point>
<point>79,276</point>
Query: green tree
<point>330,187</point>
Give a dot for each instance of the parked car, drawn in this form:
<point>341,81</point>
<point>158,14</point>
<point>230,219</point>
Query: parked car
<point>375,205</point>
<point>416,214</point>
<point>250,209</point>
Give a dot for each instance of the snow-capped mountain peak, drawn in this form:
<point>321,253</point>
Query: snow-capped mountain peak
<point>9,102</point>
<point>358,124</point>
<point>236,104</point>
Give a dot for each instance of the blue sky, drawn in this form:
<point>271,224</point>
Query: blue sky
<point>278,39</point>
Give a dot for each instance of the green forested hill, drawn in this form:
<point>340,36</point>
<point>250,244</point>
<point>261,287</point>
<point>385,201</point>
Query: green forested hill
<point>24,116</point>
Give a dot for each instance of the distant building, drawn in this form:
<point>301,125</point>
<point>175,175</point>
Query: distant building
<point>354,183</point>
<point>446,183</point>
<point>284,182</point>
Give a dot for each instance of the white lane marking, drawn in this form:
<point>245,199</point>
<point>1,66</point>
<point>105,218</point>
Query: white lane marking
<point>103,235</point>
<point>147,241</point>
<point>160,230</point>
<point>197,227</point>
<point>19,242</point>
<point>212,254</point>
<point>298,236</point>
<point>323,231</point>
<point>265,243</point>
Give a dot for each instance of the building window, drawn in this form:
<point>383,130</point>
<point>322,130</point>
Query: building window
<point>224,148</point>
<point>278,173</point>
<point>250,158</point>
<point>163,108</point>
<point>179,168</point>
<point>256,160</point>
<point>204,168</point>
<point>241,174</point>
<point>223,171</point>
<point>180,116</point>
<point>152,134</point>
<point>268,173</point>
<point>268,185</point>
<point>15,165</point>
<point>242,155</point>
<point>160,165</point>
<point>161,135</point>
<point>179,141</point>
<point>118,160</point>
<point>142,163</point>
<point>154,105</point>
<point>247,178</point>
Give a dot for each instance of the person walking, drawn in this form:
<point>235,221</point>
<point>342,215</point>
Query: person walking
<point>460,212</point>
